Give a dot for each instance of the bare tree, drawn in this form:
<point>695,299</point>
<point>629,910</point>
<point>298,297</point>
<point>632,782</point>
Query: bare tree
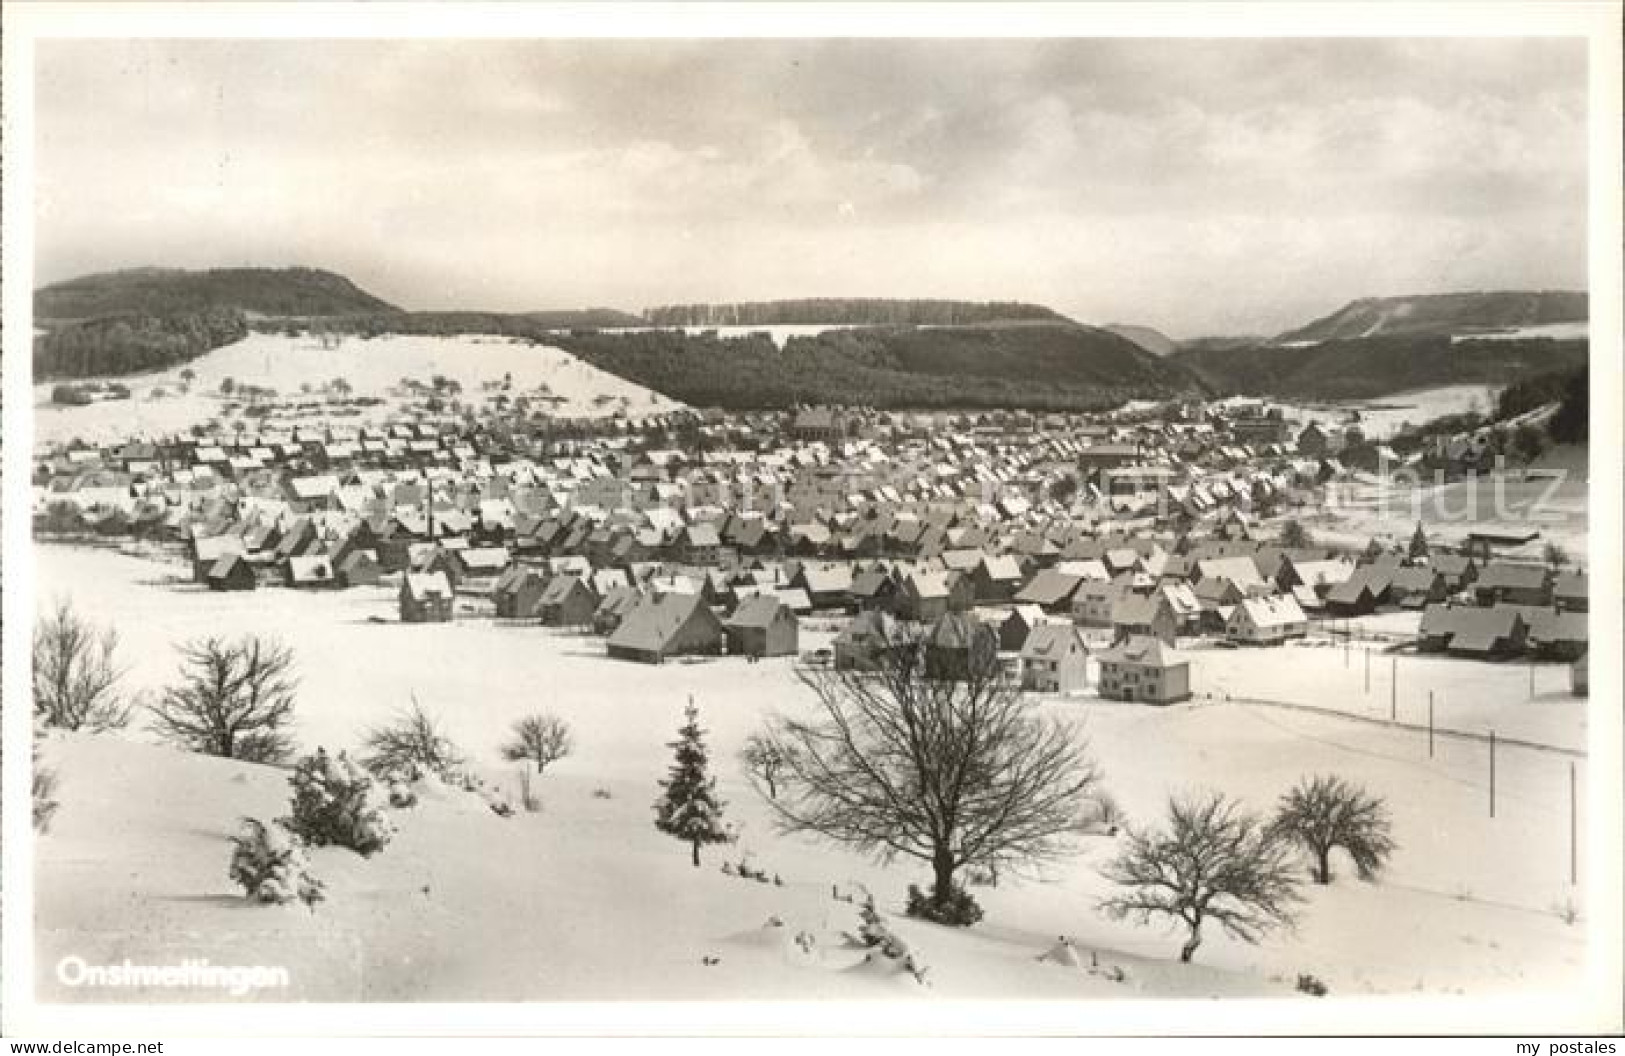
<point>543,739</point>
<point>235,700</point>
<point>1215,863</point>
<point>75,676</point>
<point>1326,812</point>
<point>765,760</point>
<point>410,746</point>
<point>953,771</point>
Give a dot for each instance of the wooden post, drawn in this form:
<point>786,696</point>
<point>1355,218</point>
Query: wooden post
<point>1531,680</point>
<point>1492,773</point>
<point>1574,828</point>
<point>1430,724</point>
<point>1393,689</point>
<point>1367,669</point>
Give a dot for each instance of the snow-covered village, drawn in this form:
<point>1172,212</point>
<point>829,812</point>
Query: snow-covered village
<point>848,648</point>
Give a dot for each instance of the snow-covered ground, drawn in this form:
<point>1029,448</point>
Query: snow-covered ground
<point>373,367</point>
<point>585,899</point>
<point>1384,416</point>
<point>1556,331</point>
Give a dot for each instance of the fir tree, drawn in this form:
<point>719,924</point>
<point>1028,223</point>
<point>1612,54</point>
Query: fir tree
<point>1419,543</point>
<point>690,809</point>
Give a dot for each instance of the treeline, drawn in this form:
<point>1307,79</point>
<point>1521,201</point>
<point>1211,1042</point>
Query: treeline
<point>1378,366</point>
<point>133,343</point>
<point>167,291</point>
<point>529,325</point>
<point>850,311</point>
<point>1038,368</point>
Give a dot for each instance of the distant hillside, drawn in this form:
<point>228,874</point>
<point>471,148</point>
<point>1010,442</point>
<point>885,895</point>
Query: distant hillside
<point>849,311</point>
<point>163,291</point>
<point>1153,341</point>
<point>1221,343</point>
<point>1448,313</point>
<point>1037,366</point>
<point>1377,366</point>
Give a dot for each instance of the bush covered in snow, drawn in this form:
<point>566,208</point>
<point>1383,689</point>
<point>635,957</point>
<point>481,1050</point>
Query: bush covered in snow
<point>45,783</point>
<point>332,805</point>
<point>45,804</point>
<point>269,863</point>
<point>1308,984</point>
<point>957,910</point>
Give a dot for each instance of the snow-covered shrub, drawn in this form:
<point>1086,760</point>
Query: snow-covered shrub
<point>601,793</point>
<point>957,910</point>
<point>1308,984</point>
<point>45,804</point>
<point>269,863</point>
<point>402,795</point>
<point>45,784</point>
<point>873,932</point>
<point>332,805</point>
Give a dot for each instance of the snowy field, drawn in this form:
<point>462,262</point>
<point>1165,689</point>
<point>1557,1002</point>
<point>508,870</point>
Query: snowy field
<point>372,367</point>
<point>1553,501</point>
<point>1384,416</point>
<point>585,899</point>
<point>1556,331</point>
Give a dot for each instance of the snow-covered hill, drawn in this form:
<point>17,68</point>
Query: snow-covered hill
<point>372,367</point>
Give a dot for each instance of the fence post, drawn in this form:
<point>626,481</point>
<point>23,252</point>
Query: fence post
<point>1430,724</point>
<point>1393,689</point>
<point>1492,773</point>
<point>1574,828</point>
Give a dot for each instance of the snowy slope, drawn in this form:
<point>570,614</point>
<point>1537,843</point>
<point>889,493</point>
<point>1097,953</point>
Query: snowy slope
<point>373,367</point>
<point>586,899</point>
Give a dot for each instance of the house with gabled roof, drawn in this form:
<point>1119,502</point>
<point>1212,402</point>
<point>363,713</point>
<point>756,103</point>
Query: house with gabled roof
<point>1519,584</point>
<point>567,601</point>
<point>995,578</point>
<point>613,608</point>
<point>1055,659</point>
<point>960,646</point>
<point>1144,615</point>
<point>668,625</point>
<point>1417,587</point>
<point>311,571</point>
<point>865,638</point>
<point>1144,670</point>
<point>425,597</point>
<point>762,626</point>
<point>1017,625</point>
<point>1266,621</point>
<point>1468,630</point>
<point>874,589</point>
<point>359,568</point>
<point>230,572</point>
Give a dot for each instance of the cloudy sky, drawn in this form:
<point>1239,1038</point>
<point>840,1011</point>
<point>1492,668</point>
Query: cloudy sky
<point>1197,186</point>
